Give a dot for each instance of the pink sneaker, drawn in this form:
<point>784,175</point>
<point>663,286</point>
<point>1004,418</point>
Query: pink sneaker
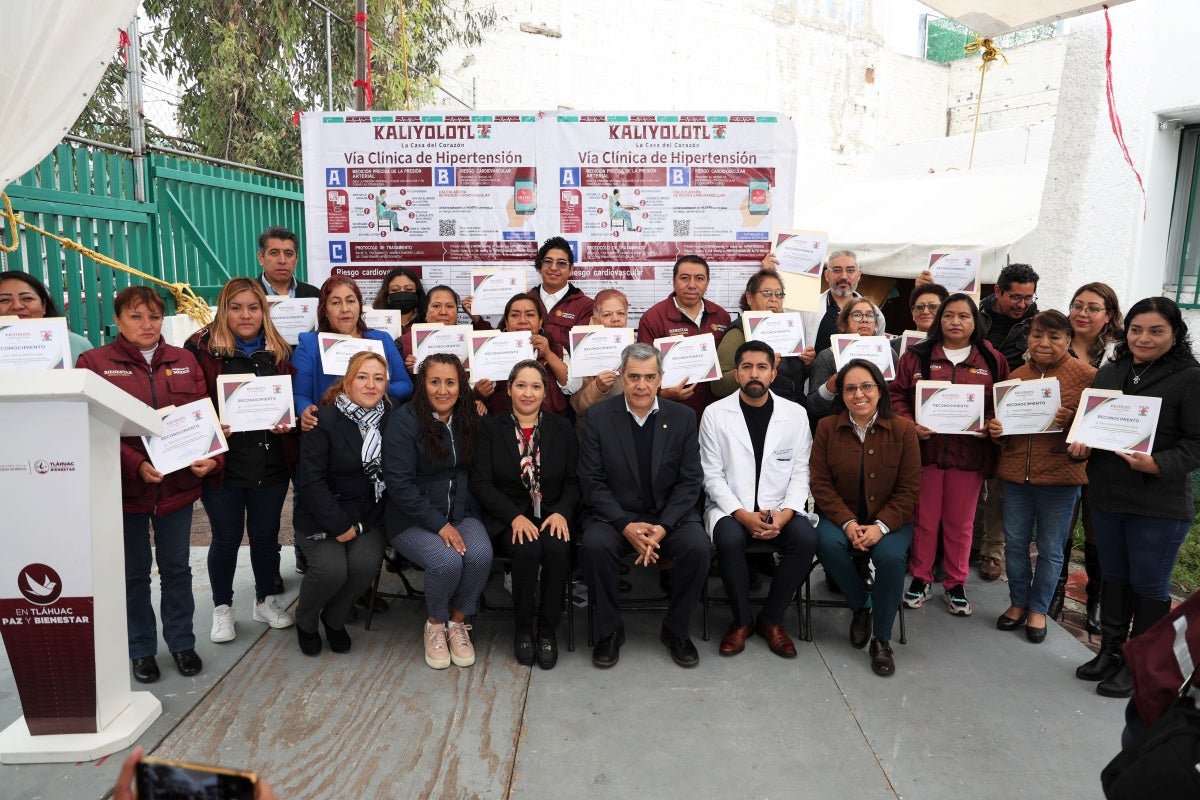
<point>462,652</point>
<point>437,655</point>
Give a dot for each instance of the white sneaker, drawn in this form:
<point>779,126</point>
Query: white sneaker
<point>437,655</point>
<point>462,652</point>
<point>268,611</point>
<point>223,628</point>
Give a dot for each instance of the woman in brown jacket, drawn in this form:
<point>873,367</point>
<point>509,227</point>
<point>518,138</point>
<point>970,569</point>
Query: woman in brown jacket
<point>1041,482</point>
<point>865,474</point>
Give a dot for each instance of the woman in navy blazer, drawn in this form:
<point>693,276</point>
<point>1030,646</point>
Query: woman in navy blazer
<point>524,477</point>
<point>339,310</point>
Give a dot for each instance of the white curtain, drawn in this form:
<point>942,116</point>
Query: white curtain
<point>54,54</point>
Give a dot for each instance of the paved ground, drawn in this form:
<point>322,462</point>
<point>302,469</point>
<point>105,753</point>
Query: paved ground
<point>971,713</point>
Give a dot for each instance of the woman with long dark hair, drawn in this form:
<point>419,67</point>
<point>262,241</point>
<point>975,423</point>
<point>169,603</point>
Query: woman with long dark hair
<point>1142,502</point>
<point>432,519</point>
<point>522,313</point>
<point>764,292</point>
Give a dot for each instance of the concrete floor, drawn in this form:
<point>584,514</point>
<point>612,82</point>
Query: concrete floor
<point>971,713</point>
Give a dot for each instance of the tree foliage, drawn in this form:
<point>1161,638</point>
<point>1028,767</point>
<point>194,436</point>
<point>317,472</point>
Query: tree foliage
<point>246,66</point>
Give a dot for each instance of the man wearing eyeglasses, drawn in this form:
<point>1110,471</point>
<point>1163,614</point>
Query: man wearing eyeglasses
<point>1006,317</point>
<point>842,274</point>
<point>561,304</point>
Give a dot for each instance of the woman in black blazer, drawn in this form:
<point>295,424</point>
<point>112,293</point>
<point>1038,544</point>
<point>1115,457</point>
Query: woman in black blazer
<point>524,477</point>
<point>339,511</point>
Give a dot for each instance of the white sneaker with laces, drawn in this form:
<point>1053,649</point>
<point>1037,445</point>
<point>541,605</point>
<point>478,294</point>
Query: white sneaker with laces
<point>222,627</point>
<point>462,652</point>
<point>437,655</point>
<point>268,611</point>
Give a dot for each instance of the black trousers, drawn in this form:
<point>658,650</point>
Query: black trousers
<point>553,557</point>
<point>797,544</point>
<point>601,550</point>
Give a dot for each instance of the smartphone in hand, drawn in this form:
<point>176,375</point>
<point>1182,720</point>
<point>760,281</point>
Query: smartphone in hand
<point>161,779</point>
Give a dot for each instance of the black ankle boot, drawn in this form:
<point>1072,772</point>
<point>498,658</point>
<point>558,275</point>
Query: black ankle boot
<point>1054,610</point>
<point>1115,616</point>
<point>1146,612</point>
<point>1091,563</point>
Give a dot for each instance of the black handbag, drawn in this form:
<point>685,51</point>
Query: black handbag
<point>1164,762</point>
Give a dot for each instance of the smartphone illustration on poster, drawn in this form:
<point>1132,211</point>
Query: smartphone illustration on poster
<point>525,191</point>
<point>759,194</point>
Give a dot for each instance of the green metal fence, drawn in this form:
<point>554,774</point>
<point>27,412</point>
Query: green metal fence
<point>198,225</point>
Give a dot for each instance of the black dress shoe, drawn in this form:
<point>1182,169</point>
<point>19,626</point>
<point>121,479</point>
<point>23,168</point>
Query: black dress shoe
<point>1006,623</point>
<point>310,643</point>
<point>339,640</point>
<point>860,628</point>
<point>145,669</point>
<point>882,663</point>
<point>607,651</point>
<point>1036,635</point>
<point>523,649</point>
<point>547,651</point>
<point>683,652</point>
<point>188,662</point>
<point>1119,685</point>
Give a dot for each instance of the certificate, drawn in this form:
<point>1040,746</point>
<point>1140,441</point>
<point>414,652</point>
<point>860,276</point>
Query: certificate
<point>1111,420</point>
<point>876,349</point>
<point>957,270</point>
<point>293,316</point>
<point>909,338</point>
<point>434,337</point>
<point>337,350</point>
<point>1027,406</point>
<point>249,403</point>
<point>190,433</point>
<point>946,407</point>
<point>493,354</point>
<point>35,344</point>
<point>383,319</point>
<point>688,359</point>
<point>803,291</point>
<point>783,332</point>
<point>801,252</point>
<point>596,349</point>
<point>491,289</point>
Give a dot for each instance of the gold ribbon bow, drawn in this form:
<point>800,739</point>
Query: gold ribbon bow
<point>987,50</point>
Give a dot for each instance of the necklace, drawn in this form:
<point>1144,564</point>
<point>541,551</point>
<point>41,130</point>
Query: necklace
<point>1137,377</point>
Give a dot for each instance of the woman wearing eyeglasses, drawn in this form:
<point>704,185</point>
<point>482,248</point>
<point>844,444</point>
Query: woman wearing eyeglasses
<point>857,317</point>
<point>1097,327</point>
<point>923,303</point>
<point>764,292</point>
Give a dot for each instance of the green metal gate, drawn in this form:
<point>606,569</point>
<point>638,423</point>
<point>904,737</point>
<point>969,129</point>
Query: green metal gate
<point>198,225</point>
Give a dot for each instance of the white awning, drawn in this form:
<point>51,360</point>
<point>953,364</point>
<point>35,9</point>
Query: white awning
<point>54,55</point>
<point>893,224</point>
<point>991,18</point>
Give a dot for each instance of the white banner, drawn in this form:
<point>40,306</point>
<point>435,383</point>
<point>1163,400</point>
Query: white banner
<point>443,193</point>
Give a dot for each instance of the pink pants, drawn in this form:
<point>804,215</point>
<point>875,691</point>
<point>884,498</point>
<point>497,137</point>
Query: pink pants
<point>948,498</point>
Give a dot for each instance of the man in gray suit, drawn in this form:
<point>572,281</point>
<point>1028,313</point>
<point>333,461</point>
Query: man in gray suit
<point>640,476</point>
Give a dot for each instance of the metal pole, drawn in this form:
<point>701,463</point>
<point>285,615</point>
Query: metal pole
<point>328,65</point>
<point>137,124</point>
<point>360,55</point>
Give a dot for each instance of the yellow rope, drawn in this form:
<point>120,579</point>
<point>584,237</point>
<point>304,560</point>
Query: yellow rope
<point>186,301</point>
<point>988,53</point>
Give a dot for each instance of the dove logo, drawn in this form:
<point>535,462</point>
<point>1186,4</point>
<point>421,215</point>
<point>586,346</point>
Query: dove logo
<point>39,584</point>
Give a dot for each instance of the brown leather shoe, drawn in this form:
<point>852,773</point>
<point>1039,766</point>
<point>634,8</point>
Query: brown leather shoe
<point>860,628</point>
<point>990,568</point>
<point>881,658</point>
<point>779,642</point>
<point>734,640</point>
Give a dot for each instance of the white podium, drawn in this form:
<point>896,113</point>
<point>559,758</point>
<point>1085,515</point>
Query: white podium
<point>62,576</point>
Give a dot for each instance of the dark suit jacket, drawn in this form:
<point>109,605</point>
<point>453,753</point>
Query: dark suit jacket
<point>302,289</point>
<point>496,475</point>
<point>332,490</point>
<point>608,468</point>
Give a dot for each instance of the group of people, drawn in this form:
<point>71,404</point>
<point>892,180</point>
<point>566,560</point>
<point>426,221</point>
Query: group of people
<point>791,455</point>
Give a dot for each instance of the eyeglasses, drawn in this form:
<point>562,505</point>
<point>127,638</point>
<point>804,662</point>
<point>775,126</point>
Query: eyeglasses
<point>1021,299</point>
<point>768,293</point>
<point>1091,311</point>
<point>865,388</point>
<point>930,307</point>
<point>561,263</point>
<point>862,316</point>
<point>847,271</point>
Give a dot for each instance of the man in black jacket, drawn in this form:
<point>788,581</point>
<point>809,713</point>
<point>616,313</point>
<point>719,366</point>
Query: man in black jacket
<point>278,255</point>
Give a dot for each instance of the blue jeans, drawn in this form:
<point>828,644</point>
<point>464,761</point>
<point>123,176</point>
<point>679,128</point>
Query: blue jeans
<point>1138,551</point>
<point>889,555</point>
<point>172,534</point>
<point>256,510</point>
<point>1051,507</point>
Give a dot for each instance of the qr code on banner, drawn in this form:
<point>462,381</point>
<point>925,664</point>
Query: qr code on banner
<point>447,227</point>
<point>682,227</point>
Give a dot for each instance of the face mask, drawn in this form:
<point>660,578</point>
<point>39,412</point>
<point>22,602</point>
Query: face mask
<point>402,301</point>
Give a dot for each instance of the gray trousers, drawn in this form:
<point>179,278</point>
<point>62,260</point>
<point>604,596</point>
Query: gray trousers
<point>337,573</point>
